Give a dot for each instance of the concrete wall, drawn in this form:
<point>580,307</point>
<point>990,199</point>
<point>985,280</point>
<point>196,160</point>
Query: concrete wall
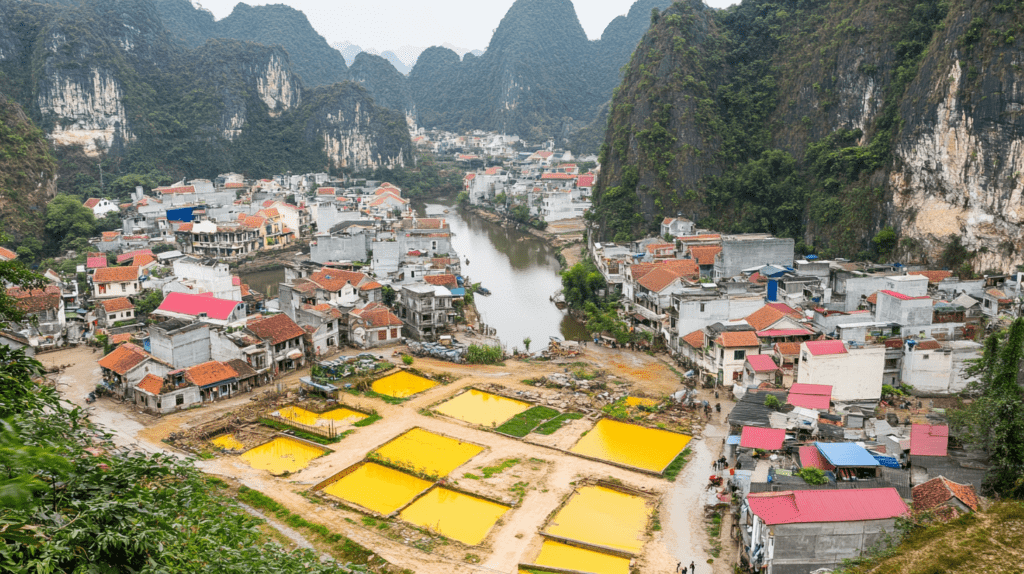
<point>738,254</point>
<point>168,403</point>
<point>214,279</point>
<point>695,315</point>
<point>904,312</point>
<point>423,243</point>
<point>939,371</point>
<point>802,548</point>
<point>855,288</point>
<point>329,214</point>
<point>182,349</point>
<point>386,256</point>
<point>854,376</point>
<point>326,248</point>
<point>909,285</point>
<point>950,288</point>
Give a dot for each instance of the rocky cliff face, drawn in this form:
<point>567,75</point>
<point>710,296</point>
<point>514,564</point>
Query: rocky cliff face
<point>85,108</point>
<point>849,117</point>
<point>29,173</point>
<point>357,133</point>
<point>388,86</point>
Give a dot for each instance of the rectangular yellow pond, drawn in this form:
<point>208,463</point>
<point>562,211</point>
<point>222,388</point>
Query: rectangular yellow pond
<point>378,488</point>
<point>402,385</point>
<point>558,555</point>
<point>458,516</point>
<point>298,415</point>
<point>228,442</point>
<point>480,408</point>
<point>632,445</point>
<point>641,402</point>
<point>603,517</point>
<point>344,415</point>
<point>309,418</point>
<point>282,455</point>
<point>428,453</point>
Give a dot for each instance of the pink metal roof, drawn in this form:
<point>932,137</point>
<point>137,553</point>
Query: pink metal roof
<point>818,348</point>
<point>901,296</point>
<point>811,457</point>
<point>805,389</point>
<point>765,439</point>
<point>929,440</point>
<point>95,262</point>
<point>188,304</point>
<point>784,333</point>
<point>810,506</point>
<point>817,402</point>
<point>762,363</point>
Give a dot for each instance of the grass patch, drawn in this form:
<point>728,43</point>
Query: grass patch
<point>367,421</point>
<point>374,395</point>
<point>303,434</point>
<point>489,471</point>
<point>521,424</point>
<point>519,489</point>
<point>556,423</point>
<point>471,476</point>
<point>672,471</point>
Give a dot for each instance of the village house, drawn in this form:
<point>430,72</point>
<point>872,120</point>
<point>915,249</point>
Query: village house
<point>374,326</point>
<point>795,532</point>
<point>202,276</point>
<point>180,342</point>
<point>855,373</point>
<point>112,311</point>
<point>101,206</point>
<point>155,394</point>
<point>328,285</point>
<point>218,240</point>
<point>703,305</point>
<point>45,322</point>
<point>426,308</point>
<point>742,252</point>
<point>111,282</point>
<point>285,337</point>
<point>201,307</point>
<point>728,354</point>
<point>676,226</point>
<point>126,366</point>
<point>944,498</point>
<point>933,368</point>
<point>758,370</point>
<point>327,326</point>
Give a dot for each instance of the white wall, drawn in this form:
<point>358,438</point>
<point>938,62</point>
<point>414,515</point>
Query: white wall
<point>854,376</point>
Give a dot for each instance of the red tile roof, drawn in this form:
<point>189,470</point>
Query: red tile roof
<point>784,333</point>
<point>277,328</point>
<point>819,348</point>
<point>442,280</point>
<point>151,383</point>
<point>91,202</point>
<point>95,262</point>
<point>929,345</point>
<point>764,439</point>
<point>658,279</point>
<point>120,338</point>
<point>7,255</point>
<point>787,348</point>
<point>660,247</point>
<point>116,274</point>
<point>810,457</point>
<point>118,304</point>
<point>762,363</point>
<point>815,506</point>
<point>143,260</point>
<point>873,298</point>
<point>36,300</point>
<point>705,254</point>
<point>559,176</point>
<point>185,227</point>
<point>786,310</point>
<point>929,440</point>
<point>179,189</point>
<point>233,185</point>
<point>816,402</point>
<point>193,305</point>
<point>272,212</point>
<point>695,339</point>
<point>764,317</point>
<point>124,358</point>
<point>997,294</point>
<point>377,316</point>
<point>131,255</point>
<point>469,176</point>
<point>940,490</point>
<point>334,280</point>
<point>586,180</point>
<point>209,373</point>
<point>934,276</point>
<point>738,339</point>
<point>371,286</point>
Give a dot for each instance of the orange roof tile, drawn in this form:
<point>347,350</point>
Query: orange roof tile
<point>377,316</point>
<point>934,276</point>
<point>705,255</point>
<point>334,279</point>
<point>695,339</point>
<point>143,260</point>
<point>124,358</point>
<point>658,279</point>
<point>738,339</point>
<point>179,189</point>
<point>371,286</point>
<point>442,280</point>
<point>151,383</point>
<point>788,348</point>
<point>764,317</point>
<point>118,304</point>
<point>116,274</point>
<point>7,255</point>
<point>120,338</point>
<point>939,490</point>
<point>277,328</point>
<point>209,373</point>
<point>91,202</point>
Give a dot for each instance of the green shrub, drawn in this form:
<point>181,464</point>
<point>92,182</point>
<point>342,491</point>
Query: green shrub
<point>813,475</point>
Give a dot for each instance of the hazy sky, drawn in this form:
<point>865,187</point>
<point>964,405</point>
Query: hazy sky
<point>385,24</point>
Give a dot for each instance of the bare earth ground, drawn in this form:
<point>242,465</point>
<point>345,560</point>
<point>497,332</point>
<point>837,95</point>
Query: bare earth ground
<point>547,472</point>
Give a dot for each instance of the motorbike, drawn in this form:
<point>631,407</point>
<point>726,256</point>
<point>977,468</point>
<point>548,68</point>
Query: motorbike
<point>91,398</point>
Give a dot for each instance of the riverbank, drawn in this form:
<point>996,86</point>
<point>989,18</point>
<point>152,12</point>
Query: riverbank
<point>561,236</point>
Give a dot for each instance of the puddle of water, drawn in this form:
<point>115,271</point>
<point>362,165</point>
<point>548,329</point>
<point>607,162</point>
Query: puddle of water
<point>228,442</point>
<point>641,402</point>
<point>459,516</point>
<point>480,408</point>
<point>343,414</point>
<point>633,445</point>
<point>282,455</point>
<point>604,517</point>
<point>427,452</point>
<point>402,385</point>
<point>558,555</point>
<point>298,415</point>
<point>378,488</point>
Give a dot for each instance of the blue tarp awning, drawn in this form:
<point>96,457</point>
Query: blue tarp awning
<point>887,461</point>
<point>460,292</point>
<point>733,439</point>
<point>846,454</point>
<point>327,388</point>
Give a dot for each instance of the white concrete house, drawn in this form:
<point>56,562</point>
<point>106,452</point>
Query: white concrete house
<point>855,373</point>
<point>101,206</point>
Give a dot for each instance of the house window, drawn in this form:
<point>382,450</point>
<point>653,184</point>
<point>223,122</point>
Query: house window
<point>179,400</point>
<point>124,287</point>
<point>382,335</point>
<point>394,333</point>
<point>702,307</point>
<point>925,357</point>
<point>739,355</point>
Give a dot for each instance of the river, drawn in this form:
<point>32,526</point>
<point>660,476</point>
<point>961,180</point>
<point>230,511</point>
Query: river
<point>520,269</point>
<point>522,272</point>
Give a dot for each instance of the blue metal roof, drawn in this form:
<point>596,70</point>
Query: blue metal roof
<point>460,292</point>
<point>887,461</point>
<point>772,271</point>
<point>733,439</point>
<point>846,454</point>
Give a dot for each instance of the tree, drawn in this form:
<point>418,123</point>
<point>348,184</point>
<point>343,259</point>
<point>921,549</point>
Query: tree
<point>582,283</point>
<point>994,422</point>
<point>389,295</point>
<point>148,303</point>
<point>526,343</point>
<point>67,220</point>
<point>885,241</point>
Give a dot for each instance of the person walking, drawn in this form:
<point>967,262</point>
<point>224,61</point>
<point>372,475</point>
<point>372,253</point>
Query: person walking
<point>678,566</point>
<point>693,567</point>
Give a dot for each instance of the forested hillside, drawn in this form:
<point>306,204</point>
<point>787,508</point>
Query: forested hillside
<point>829,121</point>
<point>28,173</point>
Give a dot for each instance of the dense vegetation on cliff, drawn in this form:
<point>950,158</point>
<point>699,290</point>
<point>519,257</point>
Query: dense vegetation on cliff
<point>804,118</point>
<point>27,173</point>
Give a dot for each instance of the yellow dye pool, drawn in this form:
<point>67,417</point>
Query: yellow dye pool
<point>641,402</point>
<point>481,408</point>
<point>228,442</point>
<point>282,455</point>
<point>427,452</point>
<point>401,385</point>
<point>344,415</point>
<point>558,555</point>
<point>298,415</point>
<point>650,449</point>
<point>604,517</point>
<point>459,516</point>
<point>378,488</point>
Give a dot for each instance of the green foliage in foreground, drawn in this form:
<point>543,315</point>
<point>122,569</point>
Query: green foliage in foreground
<point>813,475</point>
<point>65,509</point>
<point>676,466</point>
<point>556,423</point>
<point>484,354</point>
<point>521,424</point>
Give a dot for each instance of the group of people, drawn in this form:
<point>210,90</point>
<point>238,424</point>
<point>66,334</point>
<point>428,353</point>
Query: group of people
<point>707,409</point>
<point>682,569</point>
